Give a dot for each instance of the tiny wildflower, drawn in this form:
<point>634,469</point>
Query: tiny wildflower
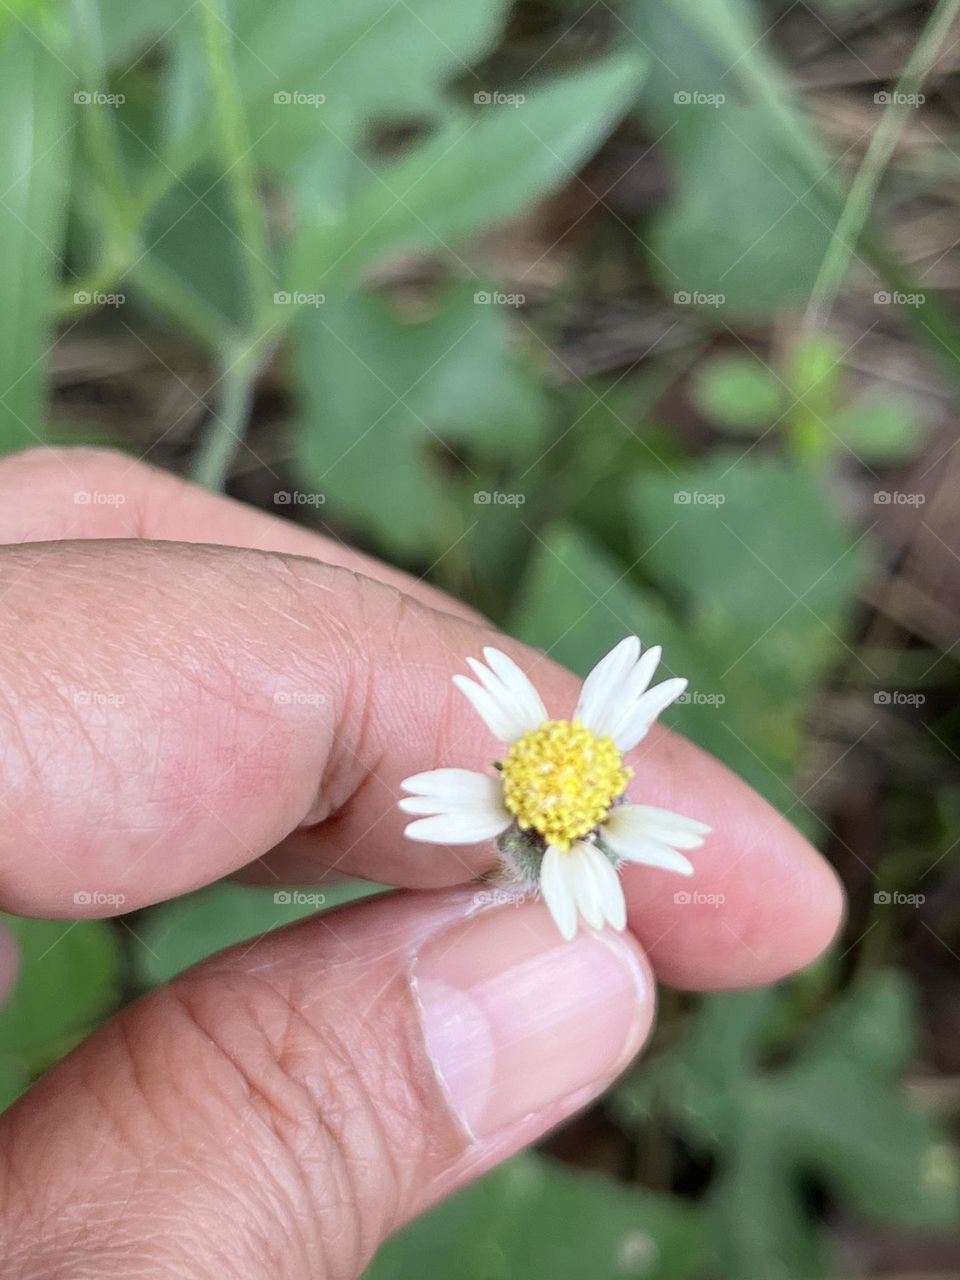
<point>557,805</point>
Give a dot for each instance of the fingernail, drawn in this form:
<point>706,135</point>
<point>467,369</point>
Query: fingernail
<point>517,1020</point>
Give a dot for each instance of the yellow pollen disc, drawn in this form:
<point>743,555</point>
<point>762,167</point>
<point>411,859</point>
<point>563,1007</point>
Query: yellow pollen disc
<point>561,780</point>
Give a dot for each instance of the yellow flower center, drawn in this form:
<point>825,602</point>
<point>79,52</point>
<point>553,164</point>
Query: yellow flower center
<point>561,780</point>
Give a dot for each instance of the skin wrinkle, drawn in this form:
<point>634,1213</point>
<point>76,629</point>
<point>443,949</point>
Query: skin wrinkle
<point>220,678</point>
<point>216,1104</point>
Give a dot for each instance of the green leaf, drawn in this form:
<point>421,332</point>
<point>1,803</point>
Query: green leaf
<point>132,28</point>
<point>738,392</point>
<point>68,978</point>
<point>314,78</point>
<point>35,102</point>
<point>534,1219</point>
<point>576,604</point>
<point>765,576</point>
<point>180,933</point>
<point>743,227</point>
<point>878,428</point>
<point>387,400</point>
<point>193,240</point>
<point>836,1110</point>
<point>479,169</point>
<point>753,203</point>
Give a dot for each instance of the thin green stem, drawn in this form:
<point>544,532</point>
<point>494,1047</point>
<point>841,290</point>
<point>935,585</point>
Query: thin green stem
<point>100,129</point>
<point>236,153</point>
<point>856,209</point>
<point>168,293</point>
<point>211,467</point>
<point>243,357</point>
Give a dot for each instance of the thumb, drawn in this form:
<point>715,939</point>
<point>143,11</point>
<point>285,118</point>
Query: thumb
<point>280,1110</point>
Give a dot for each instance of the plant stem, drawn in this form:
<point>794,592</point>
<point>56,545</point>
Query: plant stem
<point>856,209</point>
<point>236,154</point>
<point>242,358</point>
<point>211,466</point>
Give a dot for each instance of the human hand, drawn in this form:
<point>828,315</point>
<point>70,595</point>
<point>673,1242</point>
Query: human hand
<point>282,1108</point>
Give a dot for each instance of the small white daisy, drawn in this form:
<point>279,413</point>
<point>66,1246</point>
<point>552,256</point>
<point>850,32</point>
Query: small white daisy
<point>556,807</point>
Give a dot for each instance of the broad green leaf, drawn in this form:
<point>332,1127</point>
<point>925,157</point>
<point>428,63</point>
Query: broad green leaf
<point>192,237</point>
<point>480,168</point>
<point>753,205</point>
<point>387,400</point>
<point>536,1220</point>
<point>69,976</point>
<point>576,603</point>
<point>36,104</point>
<point>766,577</point>
<point>315,78</point>
<point>760,1226</point>
<point>835,1110</point>
<point>179,933</point>
<point>744,229</point>
<point>727,535</point>
<point>135,29</point>
<point>738,393</point>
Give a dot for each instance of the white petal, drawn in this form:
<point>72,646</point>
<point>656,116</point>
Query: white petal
<point>462,826</point>
<point>500,718</point>
<point>612,901</point>
<point>644,820</point>
<point>644,850</point>
<point>646,710</point>
<point>454,785</point>
<point>634,687</point>
<point>516,702</point>
<point>600,695</point>
<point>519,685</point>
<point>557,892</point>
<point>584,883</point>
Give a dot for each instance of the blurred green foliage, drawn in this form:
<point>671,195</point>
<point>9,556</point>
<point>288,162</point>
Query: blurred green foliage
<point>256,181</point>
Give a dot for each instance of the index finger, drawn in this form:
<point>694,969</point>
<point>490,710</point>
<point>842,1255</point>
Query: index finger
<point>236,696</point>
